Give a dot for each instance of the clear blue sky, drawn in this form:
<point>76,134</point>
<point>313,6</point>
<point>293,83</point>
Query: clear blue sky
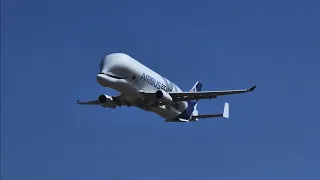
<point>50,55</point>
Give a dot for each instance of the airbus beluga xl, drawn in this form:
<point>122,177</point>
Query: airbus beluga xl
<point>141,87</point>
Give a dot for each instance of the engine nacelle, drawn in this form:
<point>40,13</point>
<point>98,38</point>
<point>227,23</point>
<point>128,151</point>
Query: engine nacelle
<point>107,101</point>
<point>163,97</point>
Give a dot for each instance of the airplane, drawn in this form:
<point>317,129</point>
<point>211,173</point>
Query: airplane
<point>141,87</point>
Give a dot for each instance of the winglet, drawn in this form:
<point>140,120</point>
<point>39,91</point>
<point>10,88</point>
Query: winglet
<point>251,89</point>
<point>226,110</point>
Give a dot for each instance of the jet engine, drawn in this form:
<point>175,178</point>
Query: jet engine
<point>163,97</point>
<point>107,101</point>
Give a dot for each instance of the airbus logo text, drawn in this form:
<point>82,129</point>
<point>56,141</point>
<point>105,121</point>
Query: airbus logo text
<point>152,81</point>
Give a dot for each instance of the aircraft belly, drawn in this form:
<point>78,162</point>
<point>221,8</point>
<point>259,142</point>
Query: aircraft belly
<point>165,113</point>
<point>170,111</point>
<point>129,91</point>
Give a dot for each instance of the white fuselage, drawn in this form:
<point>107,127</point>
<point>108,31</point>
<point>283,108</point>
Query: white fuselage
<point>128,76</point>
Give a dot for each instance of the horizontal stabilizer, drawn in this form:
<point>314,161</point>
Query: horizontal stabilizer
<point>225,114</point>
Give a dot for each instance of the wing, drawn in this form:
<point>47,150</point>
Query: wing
<point>93,102</point>
<point>184,96</point>
<point>109,101</point>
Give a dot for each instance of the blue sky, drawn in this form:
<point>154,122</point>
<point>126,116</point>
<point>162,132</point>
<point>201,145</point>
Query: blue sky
<point>50,55</point>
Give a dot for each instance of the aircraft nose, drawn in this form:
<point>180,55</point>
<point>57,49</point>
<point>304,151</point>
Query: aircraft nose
<point>101,78</point>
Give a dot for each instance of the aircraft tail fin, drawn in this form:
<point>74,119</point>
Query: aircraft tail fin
<point>197,87</point>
